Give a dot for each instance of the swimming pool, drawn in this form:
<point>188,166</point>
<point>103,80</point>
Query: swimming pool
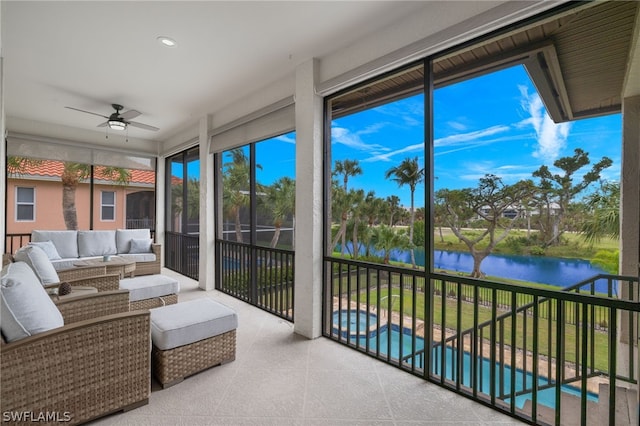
<point>389,338</point>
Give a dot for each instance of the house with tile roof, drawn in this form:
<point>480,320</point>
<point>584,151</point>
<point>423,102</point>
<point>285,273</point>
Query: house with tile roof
<point>35,198</point>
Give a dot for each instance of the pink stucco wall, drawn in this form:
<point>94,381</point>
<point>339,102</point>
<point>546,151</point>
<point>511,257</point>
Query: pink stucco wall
<point>48,206</point>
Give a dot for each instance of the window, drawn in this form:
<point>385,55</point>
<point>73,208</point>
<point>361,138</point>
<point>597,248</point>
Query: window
<point>108,206</point>
<point>25,204</point>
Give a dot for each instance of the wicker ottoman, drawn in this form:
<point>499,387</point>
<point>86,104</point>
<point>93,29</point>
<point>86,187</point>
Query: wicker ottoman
<point>151,291</point>
<point>191,336</point>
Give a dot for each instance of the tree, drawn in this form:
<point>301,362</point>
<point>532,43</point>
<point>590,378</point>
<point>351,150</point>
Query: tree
<point>604,218</point>
<point>347,168</point>
<point>281,201</point>
<point>556,191</point>
<point>342,198</point>
<point>408,173</point>
<point>17,166</point>
<point>386,239</point>
<point>236,186</point>
<point>488,202</point>
<point>73,174</point>
<point>394,207</point>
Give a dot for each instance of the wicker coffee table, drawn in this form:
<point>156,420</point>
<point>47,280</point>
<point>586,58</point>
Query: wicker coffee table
<point>115,265</point>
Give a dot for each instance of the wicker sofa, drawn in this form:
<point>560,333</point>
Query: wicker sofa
<point>71,246</point>
<point>95,364</point>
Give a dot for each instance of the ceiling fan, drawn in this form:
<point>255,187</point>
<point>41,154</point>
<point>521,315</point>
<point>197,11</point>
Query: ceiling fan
<point>118,121</point>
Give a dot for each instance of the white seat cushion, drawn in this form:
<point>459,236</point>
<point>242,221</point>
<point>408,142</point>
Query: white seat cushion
<point>139,257</point>
<point>26,308</point>
<point>149,286</point>
<point>38,260</point>
<point>188,322</point>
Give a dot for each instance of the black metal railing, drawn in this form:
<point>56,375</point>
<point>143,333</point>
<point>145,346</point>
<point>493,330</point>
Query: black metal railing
<point>182,253</point>
<point>140,223</point>
<point>13,242</point>
<point>543,356</point>
<point>261,276</point>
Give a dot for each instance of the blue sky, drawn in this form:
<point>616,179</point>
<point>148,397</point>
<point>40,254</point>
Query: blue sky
<point>492,124</point>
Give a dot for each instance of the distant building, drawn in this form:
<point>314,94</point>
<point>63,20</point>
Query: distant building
<point>34,200</point>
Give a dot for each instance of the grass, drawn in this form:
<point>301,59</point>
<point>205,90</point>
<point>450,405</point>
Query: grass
<point>572,244</point>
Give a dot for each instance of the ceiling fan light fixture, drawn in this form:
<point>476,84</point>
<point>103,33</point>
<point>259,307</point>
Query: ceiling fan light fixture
<point>117,125</point>
<point>167,41</point>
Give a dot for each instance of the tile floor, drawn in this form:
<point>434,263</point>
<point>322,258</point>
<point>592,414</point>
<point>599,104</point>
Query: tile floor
<point>280,378</point>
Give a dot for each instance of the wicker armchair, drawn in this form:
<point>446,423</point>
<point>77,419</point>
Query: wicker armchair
<point>100,282</point>
<point>90,367</point>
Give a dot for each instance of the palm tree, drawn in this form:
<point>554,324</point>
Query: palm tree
<point>281,200</point>
<point>342,197</point>
<point>604,220</point>
<point>394,202</point>
<point>408,173</point>
<point>386,239</point>
<point>17,166</point>
<point>236,184</point>
<point>73,174</point>
<point>347,168</point>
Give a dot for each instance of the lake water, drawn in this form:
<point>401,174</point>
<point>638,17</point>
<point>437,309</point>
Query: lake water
<point>540,269</point>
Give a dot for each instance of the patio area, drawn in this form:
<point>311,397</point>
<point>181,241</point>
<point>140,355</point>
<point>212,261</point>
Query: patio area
<point>280,378</point>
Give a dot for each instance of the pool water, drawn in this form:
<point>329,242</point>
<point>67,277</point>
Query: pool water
<point>390,338</point>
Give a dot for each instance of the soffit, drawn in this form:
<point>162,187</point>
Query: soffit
<point>592,44</point>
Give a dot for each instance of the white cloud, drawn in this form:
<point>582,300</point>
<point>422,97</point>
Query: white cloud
<point>551,137</point>
<point>456,125</point>
<point>459,138</point>
<point>286,139</point>
<point>387,155</point>
<point>348,138</point>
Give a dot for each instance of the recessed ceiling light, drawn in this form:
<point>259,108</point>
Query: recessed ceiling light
<point>167,41</point>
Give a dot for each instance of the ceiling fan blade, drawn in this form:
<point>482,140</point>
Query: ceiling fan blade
<point>87,112</point>
<point>132,113</point>
<point>142,126</point>
<point>102,124</point>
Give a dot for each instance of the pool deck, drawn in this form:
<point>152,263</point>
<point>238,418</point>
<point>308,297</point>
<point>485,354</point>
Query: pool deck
<point>523,361</point>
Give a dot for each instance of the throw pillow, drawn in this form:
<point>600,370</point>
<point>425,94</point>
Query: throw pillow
<point>26,308</point>
<point>38,260</point>
<point>49,248</point>
<point>140,246</point>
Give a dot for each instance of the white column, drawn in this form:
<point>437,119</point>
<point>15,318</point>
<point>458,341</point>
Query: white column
<point>629,188</point>
<point>308,236</point>
<point>161,209</point>
<point>629,220</point>
<point>206,270</point>
<point>3,157</point>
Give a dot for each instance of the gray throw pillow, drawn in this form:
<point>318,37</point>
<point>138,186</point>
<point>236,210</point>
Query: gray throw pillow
<point>140,246</point>
<point>38,260</point>
<point>49,248</point>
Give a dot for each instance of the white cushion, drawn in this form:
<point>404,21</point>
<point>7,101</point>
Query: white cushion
<point>149,286</point>
<point>38,260</point>
<point>140,257</point>
<point>140,245</point>
<point>188,322</point>
<point>26,308</point>
<point>66,242</point>
<point>124,237</point>
<point>49,248</point>
<point>96,243</point>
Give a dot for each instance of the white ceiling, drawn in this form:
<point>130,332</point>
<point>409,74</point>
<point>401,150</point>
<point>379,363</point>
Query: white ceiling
<point>88,55</point>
